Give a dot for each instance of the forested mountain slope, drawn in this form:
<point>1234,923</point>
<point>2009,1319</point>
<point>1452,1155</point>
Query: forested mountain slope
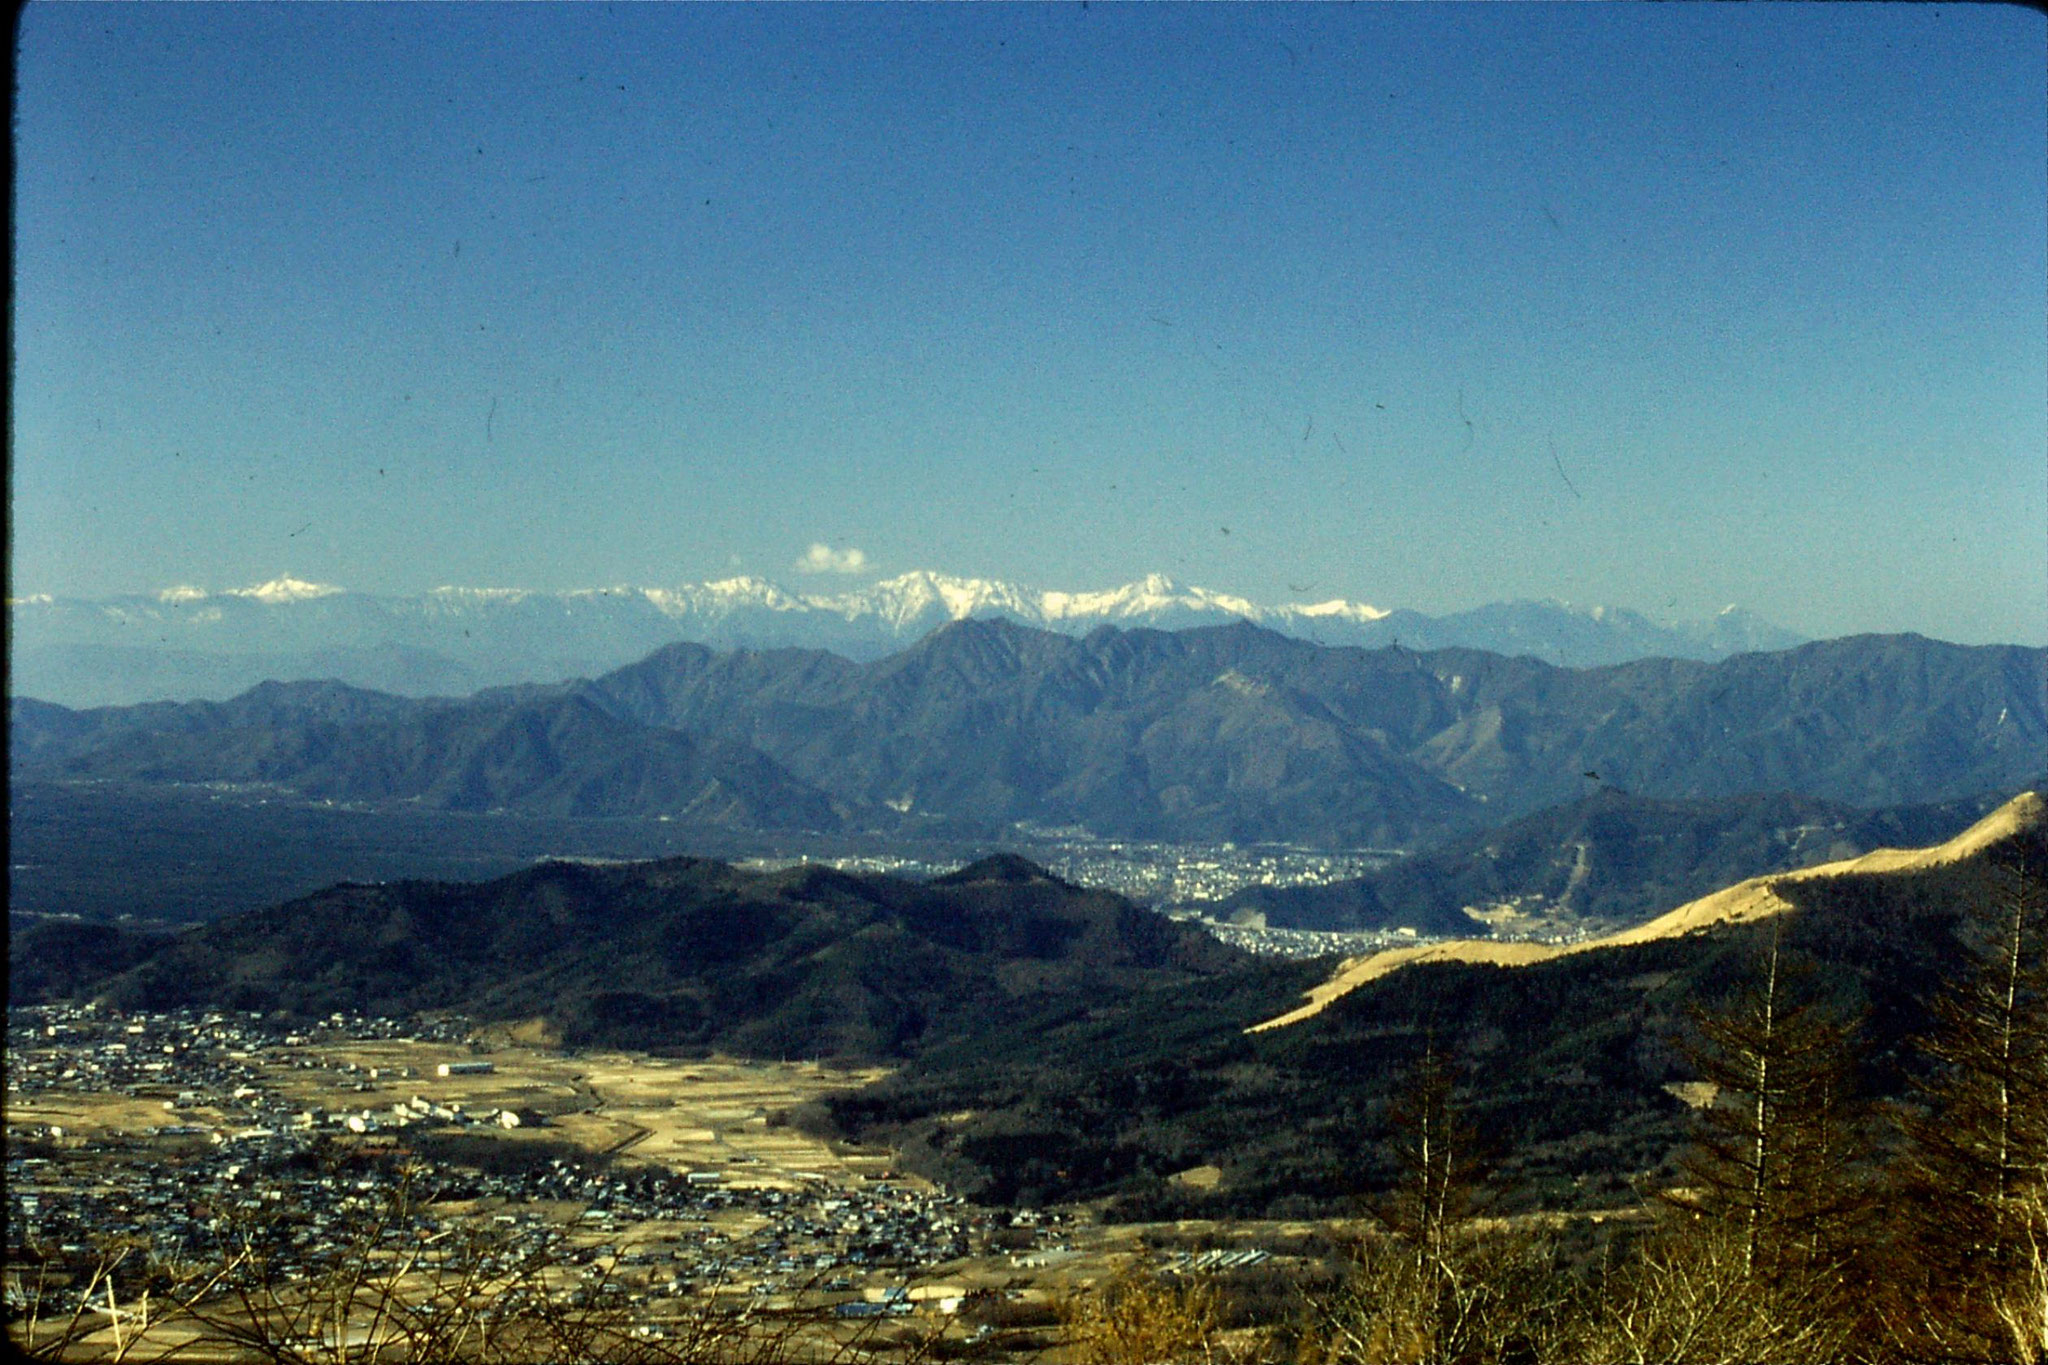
<point>1218,733</point>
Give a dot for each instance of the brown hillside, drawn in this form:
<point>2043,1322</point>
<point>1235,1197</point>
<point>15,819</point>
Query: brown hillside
<point>1746,900</point>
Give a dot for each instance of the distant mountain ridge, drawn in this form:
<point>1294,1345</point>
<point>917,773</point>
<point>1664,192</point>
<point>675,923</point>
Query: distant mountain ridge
<point>1612,857</point>
<point>186,643</point>
<point>1218,733</point>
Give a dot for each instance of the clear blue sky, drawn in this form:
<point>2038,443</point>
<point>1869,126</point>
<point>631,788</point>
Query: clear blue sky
<point>1424,305</point>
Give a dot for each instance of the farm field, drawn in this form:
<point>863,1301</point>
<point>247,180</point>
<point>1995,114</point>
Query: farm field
<point>687,1115</point>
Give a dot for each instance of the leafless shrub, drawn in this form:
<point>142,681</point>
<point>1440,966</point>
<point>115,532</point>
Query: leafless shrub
<point>1135,1318</point>
<point>1689,1293</point>
<point>1472,1294</point>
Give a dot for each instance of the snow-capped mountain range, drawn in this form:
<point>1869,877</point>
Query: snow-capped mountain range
<point>187,642</point>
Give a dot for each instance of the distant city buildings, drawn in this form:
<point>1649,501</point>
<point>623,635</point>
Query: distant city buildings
<point>1169,877</point>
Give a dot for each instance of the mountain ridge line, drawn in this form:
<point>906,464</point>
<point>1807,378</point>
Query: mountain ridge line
<point>1750,899</point>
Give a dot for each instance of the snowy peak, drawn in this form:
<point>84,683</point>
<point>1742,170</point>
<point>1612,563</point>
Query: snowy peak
<point>1339,610</point>
<point>285,589</point>
<point>914,603</point>
<point>186,641</point>
<point>277,591</point>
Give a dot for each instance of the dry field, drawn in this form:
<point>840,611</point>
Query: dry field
<point>686,1115</point>
<point>99,1116</point>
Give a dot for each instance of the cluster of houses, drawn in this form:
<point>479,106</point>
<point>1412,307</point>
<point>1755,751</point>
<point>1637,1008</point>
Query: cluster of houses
<point>304,1182</point>
<point>1196,876</point>
<point>82,1049</point>
<point>763,1238</point>
<point>1307,943</point>
<point>303,1216</point>
<point>187,1060</point>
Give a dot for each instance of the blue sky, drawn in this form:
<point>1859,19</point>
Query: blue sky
<point>1423,305</point>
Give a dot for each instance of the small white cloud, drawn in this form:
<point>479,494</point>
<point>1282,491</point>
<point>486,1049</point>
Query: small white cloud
<point>822,558</point>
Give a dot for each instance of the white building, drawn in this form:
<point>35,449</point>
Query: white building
<point>465,1068</point>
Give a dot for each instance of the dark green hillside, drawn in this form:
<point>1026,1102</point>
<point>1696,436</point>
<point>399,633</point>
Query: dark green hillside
<point>56,959</point>
<point>1562,1065</point>
<point>1563,1069</point>
<point>1612,856</point>
<point>1895,933</point>
<point>688,954</point>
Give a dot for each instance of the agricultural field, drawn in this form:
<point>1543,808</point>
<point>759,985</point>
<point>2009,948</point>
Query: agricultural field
<point>685,1115</point>
<point>658,1190</point>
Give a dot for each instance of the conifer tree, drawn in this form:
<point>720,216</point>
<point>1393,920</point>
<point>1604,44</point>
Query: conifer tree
<point>1753,1258</point>
<point>1972,1184</point>
<point>1437,1154</point>
<point>1434,1286</point>
<point>1775,1161</point>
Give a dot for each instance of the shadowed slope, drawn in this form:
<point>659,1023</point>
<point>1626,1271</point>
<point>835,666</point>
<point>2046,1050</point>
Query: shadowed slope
<point>1747,900</point>
<point>684,953</point>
